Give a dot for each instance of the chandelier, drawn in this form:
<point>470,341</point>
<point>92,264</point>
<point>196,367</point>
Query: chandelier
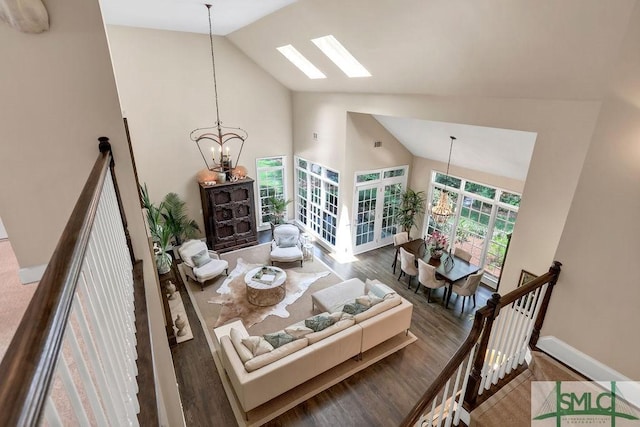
<point>217,138</point>
<point>442,211</point>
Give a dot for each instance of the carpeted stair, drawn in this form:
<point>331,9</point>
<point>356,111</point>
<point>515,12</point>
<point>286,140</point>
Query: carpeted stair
<point>511,405</point>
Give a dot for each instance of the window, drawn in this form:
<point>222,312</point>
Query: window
<point>270,183</point>
<point>484,218</point>
<point>317,189</point>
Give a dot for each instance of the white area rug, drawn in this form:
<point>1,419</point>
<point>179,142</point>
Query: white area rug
<point>232,295</point>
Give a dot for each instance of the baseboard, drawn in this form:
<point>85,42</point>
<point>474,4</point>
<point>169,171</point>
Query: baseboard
<point>588,366</point>
<point>31,274</point>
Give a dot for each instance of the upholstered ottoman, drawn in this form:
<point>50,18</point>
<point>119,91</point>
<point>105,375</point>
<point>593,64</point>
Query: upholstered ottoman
<point>331,298</point>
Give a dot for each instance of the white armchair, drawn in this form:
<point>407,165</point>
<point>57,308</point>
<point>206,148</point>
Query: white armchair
<point>200,263</point>
<point>286,245</point>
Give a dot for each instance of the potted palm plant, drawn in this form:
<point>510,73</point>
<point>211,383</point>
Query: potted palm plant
<point>176,220</point>
<point>410,205</point>
<point>277,209</point>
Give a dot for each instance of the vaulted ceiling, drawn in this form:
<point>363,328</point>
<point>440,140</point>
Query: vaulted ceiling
<point>546,49</point>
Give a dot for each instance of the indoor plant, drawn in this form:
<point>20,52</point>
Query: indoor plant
<point>175,218</point>
<point>436,243</point>
<point>277,209</point>
<point>411,203</point>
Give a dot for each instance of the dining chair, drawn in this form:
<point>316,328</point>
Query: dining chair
<point>461,253</point>
<point>407,265</point>
<point>427,278</point>
<point>398,239</point>
<point>468,288</point>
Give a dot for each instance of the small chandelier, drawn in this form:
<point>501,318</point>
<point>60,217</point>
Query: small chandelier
<point>442,211</point>
<point>217,138</point>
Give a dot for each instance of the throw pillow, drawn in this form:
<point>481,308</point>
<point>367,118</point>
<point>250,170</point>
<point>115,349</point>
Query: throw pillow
<point>278,339</point>
<point>354,308</point>
<point>201,258</point>
<point>242,350</point>
<point>257,345</point>
<point>319,322</point>
<point>298,331</point>
<point>368,300</point>
<point>379,289</point>
<point>287,241</point>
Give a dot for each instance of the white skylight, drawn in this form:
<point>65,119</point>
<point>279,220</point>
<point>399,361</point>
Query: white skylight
<point>297,59</point>
<point>331,47</point>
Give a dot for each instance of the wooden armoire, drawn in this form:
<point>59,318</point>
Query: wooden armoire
<point>229,215</point>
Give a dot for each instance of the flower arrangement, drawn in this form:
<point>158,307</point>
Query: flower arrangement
<point>436,241</point>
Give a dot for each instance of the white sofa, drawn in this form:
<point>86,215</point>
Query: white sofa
<point>297,362</point>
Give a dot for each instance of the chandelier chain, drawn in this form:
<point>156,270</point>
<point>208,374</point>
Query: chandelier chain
<point>213,66</point>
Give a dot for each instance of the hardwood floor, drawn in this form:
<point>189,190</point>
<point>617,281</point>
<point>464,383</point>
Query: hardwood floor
<point>380,395</point>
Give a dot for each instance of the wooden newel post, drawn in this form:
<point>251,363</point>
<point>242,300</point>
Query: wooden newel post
<point>105,147</point>
<point>475,376</point>
<point>535,333</point>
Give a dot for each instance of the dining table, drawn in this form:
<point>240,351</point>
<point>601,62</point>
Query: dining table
<point>449,267</point>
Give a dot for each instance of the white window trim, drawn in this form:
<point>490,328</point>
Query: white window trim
<point>323,197</point>
<point>495,202</point>
<point>262,225</point>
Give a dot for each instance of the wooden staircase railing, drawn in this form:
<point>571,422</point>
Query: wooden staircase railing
<point>493,352</point>
<point>79,330</point>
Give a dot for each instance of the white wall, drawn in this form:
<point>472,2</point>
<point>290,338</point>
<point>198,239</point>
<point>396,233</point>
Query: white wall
<point>564,130</point>
<point>595,303</point>
<point>58,97</point>
<point>166,89</point>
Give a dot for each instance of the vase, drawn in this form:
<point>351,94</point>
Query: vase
<point>180,324</point>
<point>163,262</point>
<point>436,253</point>
<point>171,289</point>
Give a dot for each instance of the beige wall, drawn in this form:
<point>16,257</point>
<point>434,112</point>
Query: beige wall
<point>166,90</point>
<point>58,97</point>
<point>595,304</point>
<point>564,130</point>
<point>344,143</point>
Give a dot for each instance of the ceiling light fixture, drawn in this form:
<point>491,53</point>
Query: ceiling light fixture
<point>218,135</point>
<point>442,211</point>
<point>336,52</point>
<point>300,61</point>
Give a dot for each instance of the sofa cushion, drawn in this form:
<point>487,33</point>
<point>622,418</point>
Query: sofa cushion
<point>319,322</point>
<point>242,350</point>
<point>368,300</point>
<point>327,332</point>
<point>277,354</point>
<point>278,339</point>
<point>201,258</point>
<point>354,308</point>
<point>287,241</point>
<point>257,345</point>
<point>378,288</point>
<point>298,330</point>
<point>378,308</point>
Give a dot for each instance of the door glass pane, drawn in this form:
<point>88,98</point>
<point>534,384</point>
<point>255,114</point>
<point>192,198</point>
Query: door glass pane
<point>368,177</point>
<point>472,228</point>
<point>366,216</point>
<point>505,221</point>
<point>392,196</point>
<point>395,172</point>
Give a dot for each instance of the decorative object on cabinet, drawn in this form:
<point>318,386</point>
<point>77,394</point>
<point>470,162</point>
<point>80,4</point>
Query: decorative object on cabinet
<point>229,215</point>
<point>217,138</point>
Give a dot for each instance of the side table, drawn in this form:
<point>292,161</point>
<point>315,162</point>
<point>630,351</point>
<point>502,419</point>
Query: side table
<point>307,252</point>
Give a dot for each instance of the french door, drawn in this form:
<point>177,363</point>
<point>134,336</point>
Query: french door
<point>377,194</point>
